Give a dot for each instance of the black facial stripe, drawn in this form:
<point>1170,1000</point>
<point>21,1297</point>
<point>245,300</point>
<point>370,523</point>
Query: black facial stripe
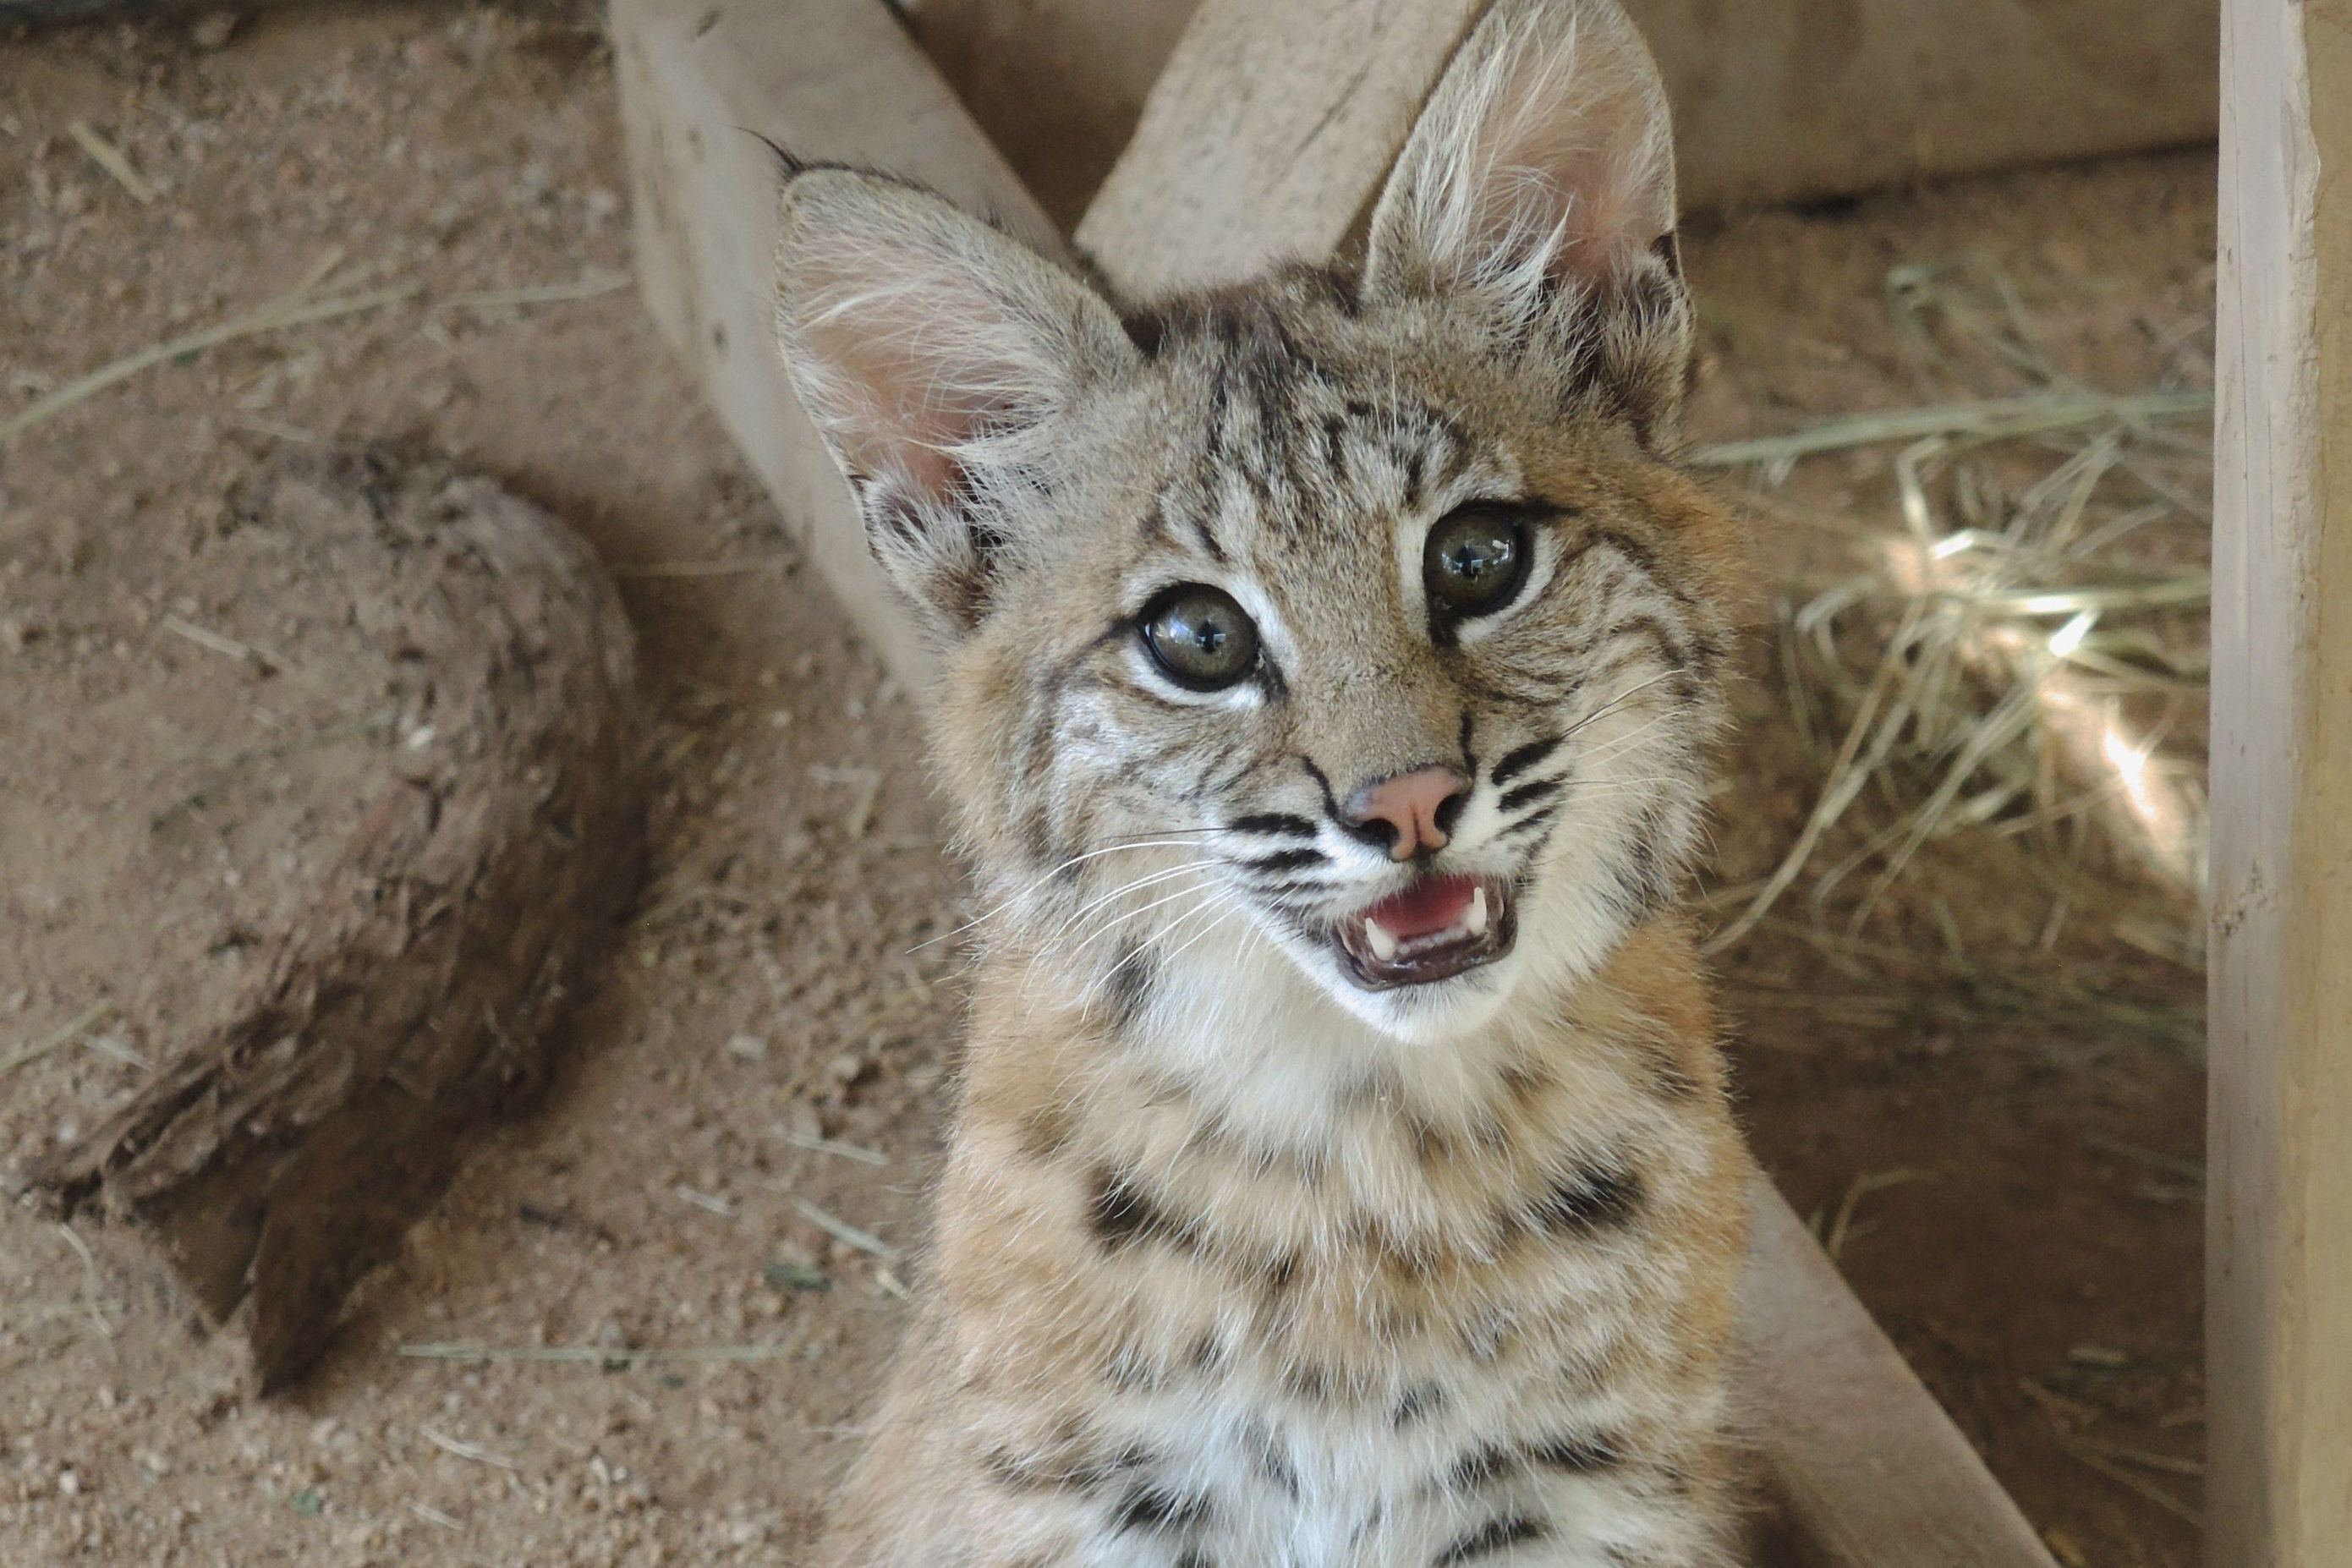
<point>1670,651</point>
<point>1532,694</point>
<point>1323,782</point>
<point>1494,1535</point>
<point>1297,885</point>
<point>1533,820</point>
<point>1519,759</point>
<point>1286,860</point>
<point>1200,530</point>
<point>1155,524</point>
<point>1272,821</point>
<point>1526,793</point>
<point>1577,1454</point>
<point>1641,557</point>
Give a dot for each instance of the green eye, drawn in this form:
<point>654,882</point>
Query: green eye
<point>1200,636</point>
<point>1474,561</point>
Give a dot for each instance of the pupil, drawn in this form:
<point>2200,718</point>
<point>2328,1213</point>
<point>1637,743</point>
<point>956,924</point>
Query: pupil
<point>1474,561</point>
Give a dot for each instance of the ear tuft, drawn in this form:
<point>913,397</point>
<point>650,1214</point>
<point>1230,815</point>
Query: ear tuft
<point>1539,185</point>
<point>934,355</point>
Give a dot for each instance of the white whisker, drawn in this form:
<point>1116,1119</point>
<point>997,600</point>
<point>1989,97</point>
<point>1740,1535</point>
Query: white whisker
<point>1150,878</point>
<point>1113,925</point>
<point>991,913</point>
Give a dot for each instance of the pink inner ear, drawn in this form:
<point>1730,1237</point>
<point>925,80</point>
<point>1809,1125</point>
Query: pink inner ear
<point>892,411</point>
<point>1576,145</point>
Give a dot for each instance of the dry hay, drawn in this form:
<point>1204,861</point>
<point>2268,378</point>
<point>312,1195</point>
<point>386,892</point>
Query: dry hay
<point>2024,654</point>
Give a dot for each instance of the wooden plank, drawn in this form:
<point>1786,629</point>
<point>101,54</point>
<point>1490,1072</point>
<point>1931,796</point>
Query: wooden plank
<point>2279,1210</point>
<point>1264,111</point>
<point>829,81</point>
<point>1867,1471</point>
<point>1268,136</point>
<point>1777,99</point>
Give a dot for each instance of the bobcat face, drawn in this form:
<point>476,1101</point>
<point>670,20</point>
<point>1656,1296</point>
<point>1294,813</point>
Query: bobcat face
<point>1356,609</point>
<point>1395,663</point>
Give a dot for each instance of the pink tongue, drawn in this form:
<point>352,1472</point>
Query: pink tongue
<point>1431,904</point>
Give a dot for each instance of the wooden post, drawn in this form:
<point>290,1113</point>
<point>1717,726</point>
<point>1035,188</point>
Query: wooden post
<point>2279,1209</point>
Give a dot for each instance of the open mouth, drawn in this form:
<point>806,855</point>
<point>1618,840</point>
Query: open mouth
<point>1434,930</point>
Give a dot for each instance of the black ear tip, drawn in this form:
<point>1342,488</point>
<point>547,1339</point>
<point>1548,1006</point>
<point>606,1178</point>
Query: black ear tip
<point>791,166</point>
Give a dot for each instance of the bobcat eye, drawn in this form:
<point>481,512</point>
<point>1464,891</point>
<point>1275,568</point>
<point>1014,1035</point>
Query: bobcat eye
<point>1200,636</point>
<point>1474,561</point>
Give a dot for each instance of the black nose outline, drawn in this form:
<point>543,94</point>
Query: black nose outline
<point>1378,831</point>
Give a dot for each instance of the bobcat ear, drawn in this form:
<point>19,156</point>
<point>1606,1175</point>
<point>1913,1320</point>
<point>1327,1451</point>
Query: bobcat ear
<point>1539,184</point>
<point>934,353</point>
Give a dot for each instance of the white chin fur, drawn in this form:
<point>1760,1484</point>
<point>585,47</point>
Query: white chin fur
<point>1425,1015</point>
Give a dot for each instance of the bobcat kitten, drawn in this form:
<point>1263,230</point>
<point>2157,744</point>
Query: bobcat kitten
<point>1343,1175</point>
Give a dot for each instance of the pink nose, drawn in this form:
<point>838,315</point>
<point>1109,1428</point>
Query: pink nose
<point>1413,806</point>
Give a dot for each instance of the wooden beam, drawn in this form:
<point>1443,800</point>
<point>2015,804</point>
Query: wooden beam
<point>1774,99</point>
<point>1865,1469</point>
<point>2279,1211</point>
<point>702,82</point>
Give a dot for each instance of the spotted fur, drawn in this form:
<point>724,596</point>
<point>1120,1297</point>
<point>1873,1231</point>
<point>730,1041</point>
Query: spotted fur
<point>1240,1264</point>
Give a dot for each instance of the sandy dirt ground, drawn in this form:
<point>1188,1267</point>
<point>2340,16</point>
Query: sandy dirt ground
<point>676,1355</point>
